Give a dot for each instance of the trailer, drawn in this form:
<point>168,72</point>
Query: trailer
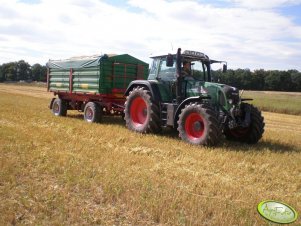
<point>94,85</point>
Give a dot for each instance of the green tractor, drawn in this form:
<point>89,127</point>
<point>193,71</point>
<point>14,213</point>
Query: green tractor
<point>198,108</point>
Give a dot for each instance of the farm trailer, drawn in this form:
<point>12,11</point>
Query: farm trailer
<point>94,85</point>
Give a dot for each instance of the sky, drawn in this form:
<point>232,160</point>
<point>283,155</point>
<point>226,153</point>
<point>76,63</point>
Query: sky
<point>254,34</point>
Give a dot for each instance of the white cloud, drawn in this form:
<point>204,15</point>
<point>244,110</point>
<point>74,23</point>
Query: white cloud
<point>253,38</point>
<point>265,4</point>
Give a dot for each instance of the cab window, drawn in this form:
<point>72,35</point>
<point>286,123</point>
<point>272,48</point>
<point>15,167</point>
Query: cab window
<point>153,69</point>
<point>166,73</point>
<point>199,70</point>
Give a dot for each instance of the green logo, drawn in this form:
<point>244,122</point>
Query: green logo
<point>277,212</point>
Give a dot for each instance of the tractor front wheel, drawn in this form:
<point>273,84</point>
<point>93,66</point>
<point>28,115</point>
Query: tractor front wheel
<point>141,113</point>
<point>250,134</point>
<point>198,124</point>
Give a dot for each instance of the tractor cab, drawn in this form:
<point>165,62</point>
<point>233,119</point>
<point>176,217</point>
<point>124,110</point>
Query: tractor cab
<point>165,67</point>
<point>185,75</point>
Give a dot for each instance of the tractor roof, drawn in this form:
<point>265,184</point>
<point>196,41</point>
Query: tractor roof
<point>193,55</point>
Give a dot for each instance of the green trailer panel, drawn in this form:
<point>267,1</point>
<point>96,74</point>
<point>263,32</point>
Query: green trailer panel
<point>100,75</point>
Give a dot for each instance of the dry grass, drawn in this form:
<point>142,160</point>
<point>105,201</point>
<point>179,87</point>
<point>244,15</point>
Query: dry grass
<point>273,101</point>
<point>62,171</point>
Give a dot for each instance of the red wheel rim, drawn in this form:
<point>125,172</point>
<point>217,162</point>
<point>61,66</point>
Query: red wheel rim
<point>89,113</point>
<point>194,126</point>
<point>138,111</point>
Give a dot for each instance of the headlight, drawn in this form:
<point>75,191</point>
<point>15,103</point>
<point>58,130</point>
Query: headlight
<point>202,90</point>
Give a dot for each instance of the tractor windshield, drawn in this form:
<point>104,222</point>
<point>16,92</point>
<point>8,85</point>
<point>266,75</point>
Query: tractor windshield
<point>197,69</point>
<point>166,73</point>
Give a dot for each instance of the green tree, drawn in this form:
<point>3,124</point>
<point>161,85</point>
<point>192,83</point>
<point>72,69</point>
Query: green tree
<point>285,81</point>
<point>296,80</point>
<point>23,71</point>
<point>273,81</point>
<point>246,79</point>
<point>9,71</point>
<point>2,78</point>
<point>258,81</point>
<point>39,72</point>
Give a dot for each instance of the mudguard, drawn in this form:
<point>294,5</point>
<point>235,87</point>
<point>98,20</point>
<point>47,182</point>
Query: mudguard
<point>151,85</point>
<point>185,102</point>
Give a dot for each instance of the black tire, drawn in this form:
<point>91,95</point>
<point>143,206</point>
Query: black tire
<point>251,134</point>
<point>141,114</point>
<point>123,116</point>
<point>199,125</point>
<point>92,112</point>
<point>59,107</point>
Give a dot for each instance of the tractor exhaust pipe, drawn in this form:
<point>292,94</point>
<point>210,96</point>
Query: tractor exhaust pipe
<point>179,90</point>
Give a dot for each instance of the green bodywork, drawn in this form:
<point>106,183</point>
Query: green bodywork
<point>198,85</point>
<point>99,75</point>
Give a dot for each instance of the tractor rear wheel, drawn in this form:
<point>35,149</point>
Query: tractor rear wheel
<point>92,112</point>
<point>250,134</point>
<point>59,107</point>
<point>142,114</point>
<point>199,125</point>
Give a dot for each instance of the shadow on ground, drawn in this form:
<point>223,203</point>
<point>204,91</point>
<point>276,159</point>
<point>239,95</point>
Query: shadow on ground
<point>106,120</point>
<point>261,146</point>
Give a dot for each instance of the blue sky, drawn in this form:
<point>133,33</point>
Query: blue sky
<point>251,34</point>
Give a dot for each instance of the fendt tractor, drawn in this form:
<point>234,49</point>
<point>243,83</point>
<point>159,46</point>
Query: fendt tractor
<point>198,108</point>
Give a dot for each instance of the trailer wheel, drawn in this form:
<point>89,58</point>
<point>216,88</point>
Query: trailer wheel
<point>141,113</point>
<point>199,125</point>
<point>92,112</point>
<point>59,107</point>
<point>251,134</point>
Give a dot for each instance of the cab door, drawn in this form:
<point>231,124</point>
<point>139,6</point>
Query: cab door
<point>166,77</point>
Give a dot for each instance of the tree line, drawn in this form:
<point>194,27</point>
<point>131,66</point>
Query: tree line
<point>241,78</point>
<point>22,71</point>
<point>273,80</point>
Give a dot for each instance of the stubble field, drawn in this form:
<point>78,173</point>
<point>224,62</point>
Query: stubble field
<point>63,171</point>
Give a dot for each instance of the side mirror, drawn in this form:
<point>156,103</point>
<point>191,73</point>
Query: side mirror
<point>169,60</point>
<point>224,68</point>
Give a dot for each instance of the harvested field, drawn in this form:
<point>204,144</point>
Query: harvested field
<point>63,171</point>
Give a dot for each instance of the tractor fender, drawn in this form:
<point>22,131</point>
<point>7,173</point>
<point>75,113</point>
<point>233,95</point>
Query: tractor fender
<point>185,102</point>
<point>148,84</point>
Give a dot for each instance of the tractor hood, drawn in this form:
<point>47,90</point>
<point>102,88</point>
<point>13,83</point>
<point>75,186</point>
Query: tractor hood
<point>223,94</point>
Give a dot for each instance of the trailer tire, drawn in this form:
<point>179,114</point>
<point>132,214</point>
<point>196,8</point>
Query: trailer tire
<point>59,107</point>
<point>199,125</point>
<point>141,113</point>
<point>92,113</point>
<point>251,134</point>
